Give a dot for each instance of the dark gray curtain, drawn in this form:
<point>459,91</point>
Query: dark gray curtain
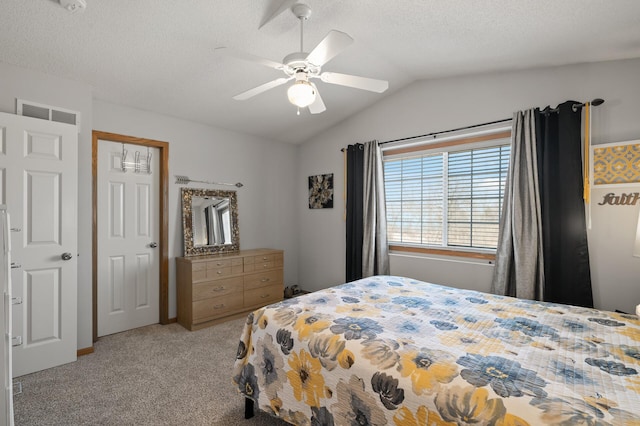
<point>375,250</point>
<point>546,143</point>
<point>564,235</point>
<point>355,222</point>
<point>367,251</point>
<point>519,269</point>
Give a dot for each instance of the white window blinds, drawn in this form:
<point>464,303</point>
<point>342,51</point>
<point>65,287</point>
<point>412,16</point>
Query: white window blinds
<point>451,198</point>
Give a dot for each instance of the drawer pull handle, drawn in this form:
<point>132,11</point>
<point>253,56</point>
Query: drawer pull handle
<point>264,296</point>
<point>264,258</point>
<point>265,265</point>
<point>221,305</point>
<point>218,264</point>
<point>219,288</point>
<point>264,280</point>
<point>219,272</point>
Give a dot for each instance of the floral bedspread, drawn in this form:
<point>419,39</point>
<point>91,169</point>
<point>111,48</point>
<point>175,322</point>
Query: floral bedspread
<point>396,351</point>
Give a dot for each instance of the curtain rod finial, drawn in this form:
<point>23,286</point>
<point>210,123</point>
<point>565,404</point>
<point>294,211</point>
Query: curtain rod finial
<point>597,101</point>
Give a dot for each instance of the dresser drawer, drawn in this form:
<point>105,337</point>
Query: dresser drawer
<point>261,263</point>
<point>204,310</point>
<point>263,295</point>
<point>199,271</point>
<point>224,263</point>
<point>217,288</point>
<point>223,272</point>
<point>199,266</point>
<point>262,279</point>
<point>220,273</point>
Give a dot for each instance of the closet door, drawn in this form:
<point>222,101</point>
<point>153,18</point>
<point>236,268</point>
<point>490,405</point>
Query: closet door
<point>6,397</point>
<point>128,233</point>
<point>40,164</point>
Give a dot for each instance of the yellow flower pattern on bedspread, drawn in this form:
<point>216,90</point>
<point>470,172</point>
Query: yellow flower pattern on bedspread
<point>396,351</point>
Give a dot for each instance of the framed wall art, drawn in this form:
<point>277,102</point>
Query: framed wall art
<point>321,191</point>
<point>616,163</point>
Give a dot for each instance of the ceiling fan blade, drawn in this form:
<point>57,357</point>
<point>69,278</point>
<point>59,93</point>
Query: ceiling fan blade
<point>275,8</point>
<point>355,81</point>
<point>318,105</point>
<point>262,88</point>
<point>333,43</point>
<point>248,57</point>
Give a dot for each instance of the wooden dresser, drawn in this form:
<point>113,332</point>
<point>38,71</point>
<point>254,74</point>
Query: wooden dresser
<point>216,288</point>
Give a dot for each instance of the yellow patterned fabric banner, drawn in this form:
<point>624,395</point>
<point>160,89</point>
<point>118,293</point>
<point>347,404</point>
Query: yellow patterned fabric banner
<point>616,164</point>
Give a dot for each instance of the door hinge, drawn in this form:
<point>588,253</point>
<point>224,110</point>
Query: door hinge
<point>16,341</point>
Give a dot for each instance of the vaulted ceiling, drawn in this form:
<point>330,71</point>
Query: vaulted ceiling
<point>158,55</point>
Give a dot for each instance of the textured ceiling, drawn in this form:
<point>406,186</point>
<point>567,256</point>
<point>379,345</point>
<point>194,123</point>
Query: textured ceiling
<point>158,55</point>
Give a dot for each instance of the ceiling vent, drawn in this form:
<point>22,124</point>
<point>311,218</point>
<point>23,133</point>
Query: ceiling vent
<point>47,112</point>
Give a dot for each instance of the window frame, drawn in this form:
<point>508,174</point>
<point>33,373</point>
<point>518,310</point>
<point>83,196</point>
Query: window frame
<point>450,144</point>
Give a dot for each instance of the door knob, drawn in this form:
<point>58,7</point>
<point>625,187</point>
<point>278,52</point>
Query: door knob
<point>153,245</point>
<point>66,256</point>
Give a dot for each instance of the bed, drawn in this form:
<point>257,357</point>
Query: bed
<point>396,351</point>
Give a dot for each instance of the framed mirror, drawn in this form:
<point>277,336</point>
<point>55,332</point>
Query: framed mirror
<point>209,221</point>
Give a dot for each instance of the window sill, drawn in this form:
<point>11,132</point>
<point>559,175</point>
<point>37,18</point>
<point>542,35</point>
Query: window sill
<point>443,252</point>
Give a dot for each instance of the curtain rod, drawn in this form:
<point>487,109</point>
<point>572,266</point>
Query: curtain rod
<point>574,107</point>
<point>446,131</point>
<point>595,102</point>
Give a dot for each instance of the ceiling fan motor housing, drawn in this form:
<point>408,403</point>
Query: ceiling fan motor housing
<point>297,62</point>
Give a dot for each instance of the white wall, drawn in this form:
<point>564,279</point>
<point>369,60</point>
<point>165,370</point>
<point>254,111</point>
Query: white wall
<point>273,205</point>
<point>267,169</point>
<point>434,105</point>
<point>613,229</point>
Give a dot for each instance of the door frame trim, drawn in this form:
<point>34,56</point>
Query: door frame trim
<point>163,202</point>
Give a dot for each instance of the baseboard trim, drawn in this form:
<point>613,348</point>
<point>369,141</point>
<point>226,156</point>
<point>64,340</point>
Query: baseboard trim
<point>85,351</point>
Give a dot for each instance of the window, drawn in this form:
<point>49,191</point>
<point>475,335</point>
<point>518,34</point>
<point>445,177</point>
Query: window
<point>447,196</point>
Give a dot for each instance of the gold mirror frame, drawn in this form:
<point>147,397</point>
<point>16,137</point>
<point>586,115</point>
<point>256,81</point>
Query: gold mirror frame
<point>190,249</point>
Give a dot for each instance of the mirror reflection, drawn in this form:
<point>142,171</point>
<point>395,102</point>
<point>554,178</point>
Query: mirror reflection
<point>210,221</point>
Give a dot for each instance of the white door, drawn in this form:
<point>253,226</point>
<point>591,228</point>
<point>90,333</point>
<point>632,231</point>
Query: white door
<point>6,384</point>
<point>128,230</point>
<point>39,160</point>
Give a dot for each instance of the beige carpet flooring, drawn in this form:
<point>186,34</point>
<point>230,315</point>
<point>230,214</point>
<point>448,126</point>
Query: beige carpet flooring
<point>155,375</point>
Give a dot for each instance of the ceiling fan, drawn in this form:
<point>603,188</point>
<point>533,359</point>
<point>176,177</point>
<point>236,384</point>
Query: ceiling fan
<point>302,67</point>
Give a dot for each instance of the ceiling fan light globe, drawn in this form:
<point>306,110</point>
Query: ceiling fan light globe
<point>301,94</point>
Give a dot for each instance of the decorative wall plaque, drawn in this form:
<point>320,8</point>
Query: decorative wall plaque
<point>616,163</point>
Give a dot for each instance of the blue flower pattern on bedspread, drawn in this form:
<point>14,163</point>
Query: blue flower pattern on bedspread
<point>397,351</point>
